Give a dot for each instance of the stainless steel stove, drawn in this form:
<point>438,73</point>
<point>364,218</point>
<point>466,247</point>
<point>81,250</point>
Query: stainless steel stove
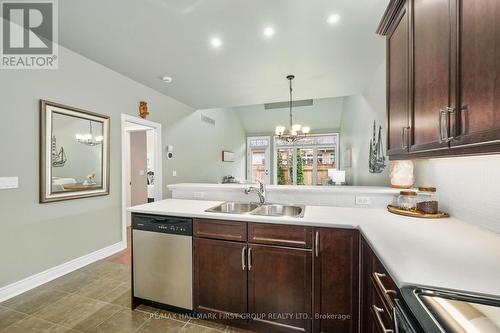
<point>438,311</point>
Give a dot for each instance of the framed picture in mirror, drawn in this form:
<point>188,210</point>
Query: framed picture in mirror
<point>74,153</point>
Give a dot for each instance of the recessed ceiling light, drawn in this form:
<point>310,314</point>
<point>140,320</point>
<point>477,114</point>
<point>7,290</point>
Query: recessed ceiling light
<point>269,32</point>
<point>333,18</point>
<point>166,79</point>
<point>216,42</point>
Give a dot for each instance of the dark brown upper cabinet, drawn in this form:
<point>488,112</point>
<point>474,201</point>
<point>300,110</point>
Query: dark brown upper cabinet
<point>398,84</point>
<point>478,120</point>
<point>431,74</point>
<point>449,81</point>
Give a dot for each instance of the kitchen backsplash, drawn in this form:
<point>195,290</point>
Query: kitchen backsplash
<point>468,187</point>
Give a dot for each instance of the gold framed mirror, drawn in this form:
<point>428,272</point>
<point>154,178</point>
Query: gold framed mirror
<point>74,153</point>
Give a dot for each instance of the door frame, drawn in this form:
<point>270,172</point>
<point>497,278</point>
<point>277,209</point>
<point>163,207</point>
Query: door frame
<point>158,161</point>
<point>267,157</point>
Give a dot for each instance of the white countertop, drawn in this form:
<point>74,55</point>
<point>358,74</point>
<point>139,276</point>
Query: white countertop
<point>447,253</point>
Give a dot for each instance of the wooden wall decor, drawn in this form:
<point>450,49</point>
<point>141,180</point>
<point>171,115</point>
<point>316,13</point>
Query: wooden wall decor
<point>143,109</point>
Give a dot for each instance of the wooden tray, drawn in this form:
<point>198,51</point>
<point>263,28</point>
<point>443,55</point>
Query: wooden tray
<point>81,187</point>
<point>416,213</point>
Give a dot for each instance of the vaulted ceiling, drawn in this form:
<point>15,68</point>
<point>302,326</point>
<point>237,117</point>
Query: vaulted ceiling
<point>148,39</point>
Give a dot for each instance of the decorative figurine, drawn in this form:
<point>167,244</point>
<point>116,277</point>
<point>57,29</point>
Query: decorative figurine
<point>143,109</point>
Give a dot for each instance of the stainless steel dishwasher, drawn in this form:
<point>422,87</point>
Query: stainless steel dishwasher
<point>162,259</point>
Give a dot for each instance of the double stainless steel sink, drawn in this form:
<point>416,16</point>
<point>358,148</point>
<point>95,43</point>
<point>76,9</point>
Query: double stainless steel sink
<point>277,210</point>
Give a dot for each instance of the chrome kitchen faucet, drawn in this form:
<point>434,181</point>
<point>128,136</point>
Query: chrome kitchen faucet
<point>261,192</point>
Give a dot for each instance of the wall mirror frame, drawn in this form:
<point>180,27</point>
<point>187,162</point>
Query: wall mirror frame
<point>74,153</point>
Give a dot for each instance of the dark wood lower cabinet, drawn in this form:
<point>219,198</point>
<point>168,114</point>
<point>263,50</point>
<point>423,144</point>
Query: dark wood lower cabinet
<point>336,280</point>
<point>220,279</point>
<point>378,292</point>
<point>313,287</point>
<point>280,288</point>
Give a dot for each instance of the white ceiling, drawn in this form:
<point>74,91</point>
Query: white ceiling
<point>147,39</point>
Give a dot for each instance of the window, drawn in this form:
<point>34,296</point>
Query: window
<point>307,161</point>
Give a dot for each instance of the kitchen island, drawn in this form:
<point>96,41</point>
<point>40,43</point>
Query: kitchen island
<point>446,254</point>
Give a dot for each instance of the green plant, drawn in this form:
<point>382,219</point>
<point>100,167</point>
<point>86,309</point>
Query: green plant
<point>300,168</point>
<point>281,172</point>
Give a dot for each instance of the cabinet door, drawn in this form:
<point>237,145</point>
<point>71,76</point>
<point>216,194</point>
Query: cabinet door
<point>367,323</point>
<point>336,283</point>
<point>220,277</point>
<point>431,84</point>
<point>280,288</point>
<point>398,92</point>
<point>479,68</point>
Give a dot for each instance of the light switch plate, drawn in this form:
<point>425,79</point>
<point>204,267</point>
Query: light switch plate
<point>9,182</point>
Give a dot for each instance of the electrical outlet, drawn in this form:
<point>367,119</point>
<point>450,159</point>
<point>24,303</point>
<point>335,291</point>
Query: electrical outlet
<point>198,195</point>
<point>174,173</point>
<point>364,201</point>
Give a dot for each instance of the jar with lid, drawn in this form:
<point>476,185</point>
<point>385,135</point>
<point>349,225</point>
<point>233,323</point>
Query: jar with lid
<point>407,200</point>
<point>427,200</point>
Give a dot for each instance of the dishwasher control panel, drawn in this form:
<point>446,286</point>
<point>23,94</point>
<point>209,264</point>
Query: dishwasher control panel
<point>163,224</point>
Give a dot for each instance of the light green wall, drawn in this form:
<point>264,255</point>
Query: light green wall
<point>198,147</point>
<point>357,127</point>
<point>33,236</point>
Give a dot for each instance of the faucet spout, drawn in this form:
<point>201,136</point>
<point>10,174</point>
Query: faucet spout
<point>261,192</point>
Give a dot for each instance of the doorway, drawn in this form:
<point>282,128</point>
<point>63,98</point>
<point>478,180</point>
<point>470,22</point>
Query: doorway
<point>141,165</point>
<point>258,155</point>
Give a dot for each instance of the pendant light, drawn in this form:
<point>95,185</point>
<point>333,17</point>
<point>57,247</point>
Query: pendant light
<point>295,132</point>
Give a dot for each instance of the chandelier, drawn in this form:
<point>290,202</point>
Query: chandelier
<point>296,131</point>
<point>89,139</point>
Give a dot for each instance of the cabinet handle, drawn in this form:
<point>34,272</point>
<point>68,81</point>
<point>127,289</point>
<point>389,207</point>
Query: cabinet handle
<point>403,143</point>
<point>378,311</point>
<point>377,277</point>
<point>405,137</point>
<point>243,258</point>
<point>464,122</point>
<point>442,135</point>
<point>316,243</point>
<point>249,258</point>
<point>449,111</point>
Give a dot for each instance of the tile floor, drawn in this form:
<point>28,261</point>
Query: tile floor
<point>95,298</point>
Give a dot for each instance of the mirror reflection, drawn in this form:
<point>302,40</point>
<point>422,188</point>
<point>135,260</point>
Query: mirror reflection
<point>76,153</point>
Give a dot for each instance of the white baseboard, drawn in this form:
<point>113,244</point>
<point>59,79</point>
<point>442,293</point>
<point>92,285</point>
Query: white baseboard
<point>50,274</point>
